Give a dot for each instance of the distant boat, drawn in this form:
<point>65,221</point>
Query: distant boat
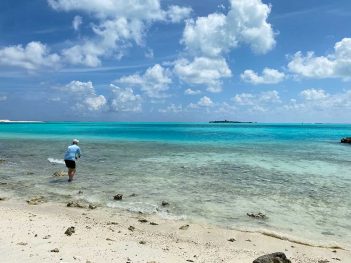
<point>226,121</point>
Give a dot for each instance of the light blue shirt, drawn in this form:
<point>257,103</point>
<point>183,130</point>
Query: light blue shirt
<point>73,151</point>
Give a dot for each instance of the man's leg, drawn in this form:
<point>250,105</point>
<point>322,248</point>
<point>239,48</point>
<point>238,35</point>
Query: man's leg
<point>71,173</point>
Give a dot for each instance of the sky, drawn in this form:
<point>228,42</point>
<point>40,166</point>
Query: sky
<point>175,60</point>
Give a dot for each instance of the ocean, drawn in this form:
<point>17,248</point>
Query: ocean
<point>298,175</point>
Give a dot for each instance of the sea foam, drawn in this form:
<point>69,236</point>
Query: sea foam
<point>55,161</point>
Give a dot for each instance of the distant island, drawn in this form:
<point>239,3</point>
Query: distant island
<point>226,121</point>
<point>9,121</point>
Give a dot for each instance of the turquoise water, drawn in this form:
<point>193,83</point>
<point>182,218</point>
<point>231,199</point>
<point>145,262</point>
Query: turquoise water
<point>299,175</point>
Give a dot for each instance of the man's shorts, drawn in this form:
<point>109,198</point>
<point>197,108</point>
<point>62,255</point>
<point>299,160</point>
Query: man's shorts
<point>70,164</point>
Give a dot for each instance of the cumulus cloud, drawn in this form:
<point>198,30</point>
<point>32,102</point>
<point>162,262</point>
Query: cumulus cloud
<point>334,65</point>
<point>172,108</point>
<point>177,14</point>
<point>84,96</point>
<point>192,92</point>
<point>154,82</point>
<point>257,102</point>
<point>121,24</point>
<point>202,70</point>
<point>314,94</point>
<point>205,102</point>
<point>124,100</point>
<point>319,99</point>
<point>269,76</point>
<point>246,22</point>
<point>111,39</point>
<point>208,39</point>
<point>77,21</point>
<point>33,56</point>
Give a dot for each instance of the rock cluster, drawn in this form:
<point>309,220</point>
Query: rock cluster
<point>118,197</point>
<point>75,204</point>
<point>277,257</point>
<point>70,231</point>
<point>346,140</point>
<point>257,216</point>
<point>35,200</point>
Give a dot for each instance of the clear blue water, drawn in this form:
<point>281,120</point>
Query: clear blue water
<point>299,175</point>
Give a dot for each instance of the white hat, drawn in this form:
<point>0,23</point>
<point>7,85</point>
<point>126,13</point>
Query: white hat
<point>75,141</point>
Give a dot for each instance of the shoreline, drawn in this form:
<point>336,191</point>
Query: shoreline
<point>30,232</point>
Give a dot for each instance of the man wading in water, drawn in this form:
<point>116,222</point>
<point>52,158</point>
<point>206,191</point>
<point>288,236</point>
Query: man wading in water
<point>71,155</point>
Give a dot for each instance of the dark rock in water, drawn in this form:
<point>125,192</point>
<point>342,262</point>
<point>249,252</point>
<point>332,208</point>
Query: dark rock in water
<point>59,174</point>
<point>2,183</point>
<point>346,140</point>
<point>2,198</point>
<point>131,228</point>
<point>153,224</point>
<point>29,173</point>
<point>92,206</point>
<point>185,227</point>
<point>142,220</point>
<point>278,257</point>
<point>133,195</point>
<point>55,250</point>
<point>118,197</point>
<point>80,192</point>
<point>231,239</point>
<point>142,242</point>
<point>35,200</point>
<point>165,203</point>
<point>257,216</point>
<point>75,204</point>
<point>70,231</point>
<point>2,161</point>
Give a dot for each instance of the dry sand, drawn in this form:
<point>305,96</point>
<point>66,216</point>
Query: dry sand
<point>29,233</point>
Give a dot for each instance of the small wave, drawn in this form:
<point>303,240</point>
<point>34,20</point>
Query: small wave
<point>58,161</point>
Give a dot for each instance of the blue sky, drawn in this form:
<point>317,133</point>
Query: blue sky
<point>154,60</point>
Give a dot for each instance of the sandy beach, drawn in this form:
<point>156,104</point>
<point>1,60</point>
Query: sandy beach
<point>36,233</point>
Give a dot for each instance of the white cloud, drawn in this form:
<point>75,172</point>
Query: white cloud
<point>246,22</point>
<point>3,98</point>
<point>149,53</point>
<point>244,99</point>
<point>95,103</point>
<point>192,92</point>
<point>111,39</point>
<point>205,102</point>
<point>314,94</point>
<point>77,21</point>
<point>257,102</point>
<point>172,108</point>
<point>120,24</point>
<point>269,76</point>
<point>177,14</point>
<point>133,9</point>
<point>124,100</point>
<point>315,100</point>
<point>271,96</point>
<point>334,65</point>
<point>154,82</point>
<point>202,70</point>
<point>33,56</point>
<point>83,96</point>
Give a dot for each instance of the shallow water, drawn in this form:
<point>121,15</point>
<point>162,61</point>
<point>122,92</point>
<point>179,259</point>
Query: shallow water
<point>298,175</point>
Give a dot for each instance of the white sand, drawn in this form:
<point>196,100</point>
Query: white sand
<point>29,232</point>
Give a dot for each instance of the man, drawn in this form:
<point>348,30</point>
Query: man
<point>71,155</point>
